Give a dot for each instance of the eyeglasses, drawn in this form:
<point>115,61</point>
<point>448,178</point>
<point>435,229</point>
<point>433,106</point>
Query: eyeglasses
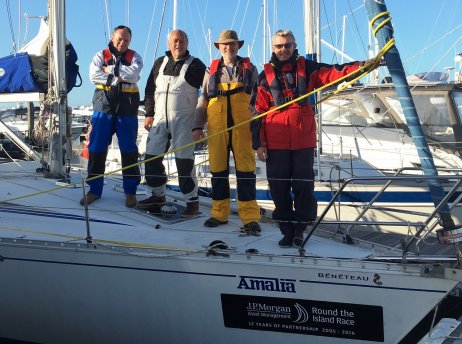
<point>123,27</point>
<point>287,45</point>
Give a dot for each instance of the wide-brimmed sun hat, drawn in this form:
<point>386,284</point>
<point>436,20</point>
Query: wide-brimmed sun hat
<point>228,36</point>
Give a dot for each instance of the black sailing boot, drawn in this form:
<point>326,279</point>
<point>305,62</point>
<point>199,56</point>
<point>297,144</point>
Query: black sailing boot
<point>297,240</point>
<point>287,230</point>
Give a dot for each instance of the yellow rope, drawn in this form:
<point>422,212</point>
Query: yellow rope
<point>380,15</point>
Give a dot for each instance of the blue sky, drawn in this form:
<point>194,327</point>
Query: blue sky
<point>427,31</point>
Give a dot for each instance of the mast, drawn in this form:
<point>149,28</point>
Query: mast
<point>127,11</point>
<point>308,24</point>
<point>312,27</point>
<point>395,67</point>
<point>174,14</point>
<point>343,37</point>
<point>19,25</point>
<point>265,35</point>
<point>57,22</point>
<point>210,44</point>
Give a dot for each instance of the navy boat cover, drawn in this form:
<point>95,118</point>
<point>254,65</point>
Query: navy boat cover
<point>16,74</point>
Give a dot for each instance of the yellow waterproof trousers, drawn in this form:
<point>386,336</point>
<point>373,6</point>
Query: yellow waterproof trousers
<point>224,112</point>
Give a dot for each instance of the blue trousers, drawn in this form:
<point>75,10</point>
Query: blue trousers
<point>126,129</point>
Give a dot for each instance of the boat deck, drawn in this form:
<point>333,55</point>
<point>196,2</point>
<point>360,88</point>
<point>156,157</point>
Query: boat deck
<point>396,241</point>
<point>111,223</point>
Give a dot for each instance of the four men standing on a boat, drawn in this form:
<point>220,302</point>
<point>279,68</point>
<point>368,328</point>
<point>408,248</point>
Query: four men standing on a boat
<point>285,138</point>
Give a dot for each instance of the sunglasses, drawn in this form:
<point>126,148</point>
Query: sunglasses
<point>287,45</point>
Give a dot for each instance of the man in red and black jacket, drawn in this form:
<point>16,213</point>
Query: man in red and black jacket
<point>286,138</point>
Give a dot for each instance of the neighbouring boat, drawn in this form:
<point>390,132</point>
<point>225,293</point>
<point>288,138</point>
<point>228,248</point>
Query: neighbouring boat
<point>368,122</point>
<point>19,122</point>
<point>107,273</point>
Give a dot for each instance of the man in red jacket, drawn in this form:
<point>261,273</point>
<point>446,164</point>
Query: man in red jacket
<point>286,138</point>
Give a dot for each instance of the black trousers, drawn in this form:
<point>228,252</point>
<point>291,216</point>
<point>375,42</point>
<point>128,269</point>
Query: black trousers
<point>291,181</point>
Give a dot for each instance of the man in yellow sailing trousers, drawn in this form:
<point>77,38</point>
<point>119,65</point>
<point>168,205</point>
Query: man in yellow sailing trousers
<point>224,103</point>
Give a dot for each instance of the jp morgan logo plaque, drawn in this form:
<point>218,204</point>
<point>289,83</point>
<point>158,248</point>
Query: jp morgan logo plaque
<point>309,317</point>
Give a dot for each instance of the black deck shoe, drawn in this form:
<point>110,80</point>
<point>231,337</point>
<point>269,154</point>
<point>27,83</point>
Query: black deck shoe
<point>153,201</point>
<point>297,241</point>
<point>251,228</point>
<point>286,241</point>
<point>213,222</point>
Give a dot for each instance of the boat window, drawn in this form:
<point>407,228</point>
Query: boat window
<point>360,109</point>
<point>458,101</point>
<point>433,114</point>
<point>342,112</point>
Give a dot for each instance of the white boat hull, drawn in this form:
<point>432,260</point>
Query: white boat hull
<point>72,293</point>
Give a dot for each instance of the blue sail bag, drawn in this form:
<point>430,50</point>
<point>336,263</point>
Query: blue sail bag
<point>16,74</point>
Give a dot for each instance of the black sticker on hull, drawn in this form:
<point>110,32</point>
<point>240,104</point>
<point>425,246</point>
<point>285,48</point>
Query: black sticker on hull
<point>316,318</point>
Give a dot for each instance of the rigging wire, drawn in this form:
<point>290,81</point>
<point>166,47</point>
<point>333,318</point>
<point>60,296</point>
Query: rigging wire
<point>436,22</point>
<point>149,31</point>
<point>334,57</point>
<point>275,21</point>
<point>434,43</point>
<point>108,23</point>
<point>19,24</point>
<point>289,16</point>
<point>103,19</point>
<point>202,21</point>
<point>255,32</point>
<point>235,13</point>
<point>356,26</point>
<point>329,25</point>
<point>243,17</point>
<point>127,12</point>
<point>26,30</point>
<point>109,17</point>
<point>160,29</point>
<point>8,10</point>
<point>442,57</point>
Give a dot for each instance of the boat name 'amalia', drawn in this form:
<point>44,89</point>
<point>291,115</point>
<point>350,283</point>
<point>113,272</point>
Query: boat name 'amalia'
<point>268,284</point>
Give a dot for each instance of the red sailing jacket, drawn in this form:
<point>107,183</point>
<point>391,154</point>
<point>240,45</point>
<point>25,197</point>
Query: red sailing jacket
<point>292,127</point>
<point>126,58</point>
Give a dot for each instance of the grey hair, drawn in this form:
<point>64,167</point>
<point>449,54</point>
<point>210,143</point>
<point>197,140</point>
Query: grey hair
<point>283,33</point>
<point>181,32</point>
